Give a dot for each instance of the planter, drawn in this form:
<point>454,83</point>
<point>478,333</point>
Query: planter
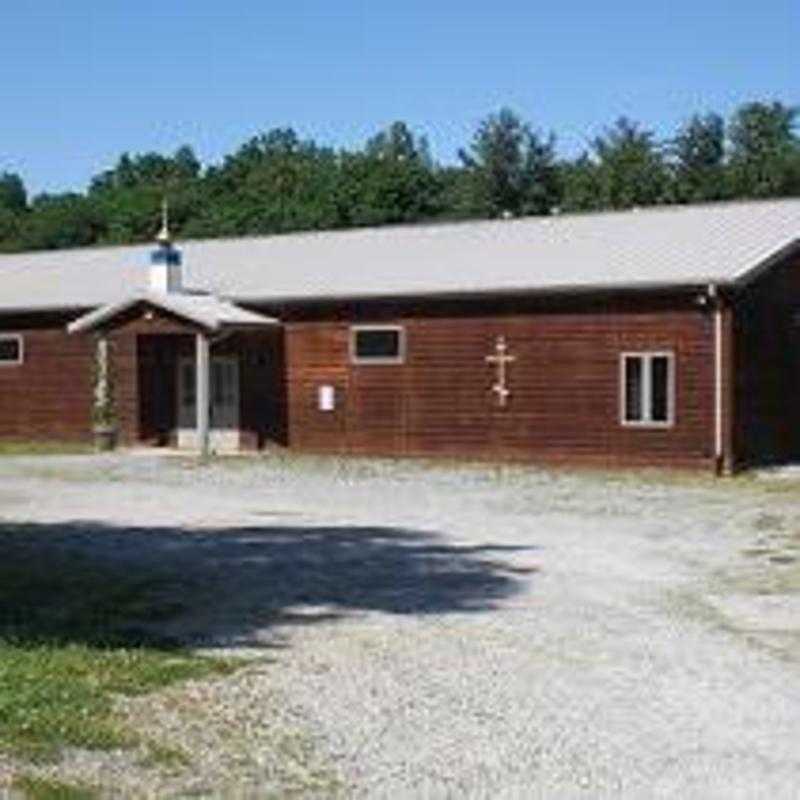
<point>105,437</point>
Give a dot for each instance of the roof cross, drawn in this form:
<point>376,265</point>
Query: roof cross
<point>164,237</point>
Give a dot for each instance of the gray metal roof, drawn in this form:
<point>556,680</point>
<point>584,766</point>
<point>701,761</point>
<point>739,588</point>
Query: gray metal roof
<point>207,311</point>
<point>676,245</point>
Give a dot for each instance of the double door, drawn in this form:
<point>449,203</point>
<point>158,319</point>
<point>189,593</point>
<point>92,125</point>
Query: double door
<point>223,403</point>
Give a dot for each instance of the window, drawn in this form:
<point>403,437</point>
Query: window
<point>648,389</point>
<point>10,349</point>
<point>377,344</point>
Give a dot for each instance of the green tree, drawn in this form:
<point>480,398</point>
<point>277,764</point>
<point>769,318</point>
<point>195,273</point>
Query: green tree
<point>13,196</point>
<point>9,231</point>
<point>392,180</point>
<point>275,182</point>
<point>64,220</point>
<point>148,169</point>
<point>765,152</point>
<point>374,191</point>
<point>582,187</point>
<point>513,167</point>
<point>399,143</point>
<point>462,193</point>
<point>699,160</point>
<point>631,170</point>
<point>128,197</point>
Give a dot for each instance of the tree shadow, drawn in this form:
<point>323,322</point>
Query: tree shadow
<point>91,583</point>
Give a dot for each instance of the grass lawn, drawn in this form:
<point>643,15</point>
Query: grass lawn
<point>69,643</point>
<point>34,788</point>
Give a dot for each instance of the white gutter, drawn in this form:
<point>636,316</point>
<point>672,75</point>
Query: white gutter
<point>718,374</point>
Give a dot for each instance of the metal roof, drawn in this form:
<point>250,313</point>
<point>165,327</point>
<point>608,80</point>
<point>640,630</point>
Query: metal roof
<point>666,246</point>
<point>206,311</point>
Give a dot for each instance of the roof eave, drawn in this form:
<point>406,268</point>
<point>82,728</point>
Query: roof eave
<point>474,294</point>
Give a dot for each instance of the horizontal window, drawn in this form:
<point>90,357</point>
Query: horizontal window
<point>648,389</point>
<point>10,349</point>
<point>377,344</point>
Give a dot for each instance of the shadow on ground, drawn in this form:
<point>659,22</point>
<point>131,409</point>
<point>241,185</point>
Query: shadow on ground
<point>90,583</point>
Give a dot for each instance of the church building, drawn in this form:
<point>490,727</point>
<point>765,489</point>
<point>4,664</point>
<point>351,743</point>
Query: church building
<point>659,337</point>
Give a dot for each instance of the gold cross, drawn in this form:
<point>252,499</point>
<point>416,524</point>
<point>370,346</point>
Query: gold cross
<point>501,359</point>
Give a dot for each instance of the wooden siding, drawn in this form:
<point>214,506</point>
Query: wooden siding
<point>263,387</point>
<point>564,403</point>
<point>767,357</point>
<point>49,395</point>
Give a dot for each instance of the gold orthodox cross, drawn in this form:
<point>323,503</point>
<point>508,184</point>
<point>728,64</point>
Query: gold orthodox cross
<point>501,359</point>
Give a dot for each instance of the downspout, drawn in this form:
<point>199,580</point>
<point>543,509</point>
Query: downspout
<point>719,447</point>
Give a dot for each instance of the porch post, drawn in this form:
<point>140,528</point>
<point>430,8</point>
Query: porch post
<point>202,391</point>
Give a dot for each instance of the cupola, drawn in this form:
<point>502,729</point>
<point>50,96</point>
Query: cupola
<point>165,260</point>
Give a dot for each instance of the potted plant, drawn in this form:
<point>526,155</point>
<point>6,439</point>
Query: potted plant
<point>104,417</point>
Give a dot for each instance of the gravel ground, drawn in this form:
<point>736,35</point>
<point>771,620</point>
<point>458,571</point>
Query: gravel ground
<point>450,631</point>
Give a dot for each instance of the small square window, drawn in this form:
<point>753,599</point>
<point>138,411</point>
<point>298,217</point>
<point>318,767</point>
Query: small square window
<point>377,344</point>
<point>648,389</point>
<point>10,349</point>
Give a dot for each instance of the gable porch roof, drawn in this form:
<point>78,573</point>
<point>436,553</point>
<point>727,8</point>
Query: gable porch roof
<point>210,313</point>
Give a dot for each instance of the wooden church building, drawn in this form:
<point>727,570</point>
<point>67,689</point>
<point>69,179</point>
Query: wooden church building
<point>668,337</point>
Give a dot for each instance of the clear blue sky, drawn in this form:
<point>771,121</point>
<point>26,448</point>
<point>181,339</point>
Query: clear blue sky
<point>82,81</point>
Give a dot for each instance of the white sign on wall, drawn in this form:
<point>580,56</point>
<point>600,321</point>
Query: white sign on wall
<point>326,398</point>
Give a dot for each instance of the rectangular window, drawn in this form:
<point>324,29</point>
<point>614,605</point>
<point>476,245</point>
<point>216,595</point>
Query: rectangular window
<point>648,389</point>
<point>10,349</point>
<point>377,344</point>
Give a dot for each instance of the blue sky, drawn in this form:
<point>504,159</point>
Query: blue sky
<point>84,80</point>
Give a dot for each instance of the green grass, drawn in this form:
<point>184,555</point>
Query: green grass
<point>33,788</point>
<point>52,696</point>
<point>73,634</point>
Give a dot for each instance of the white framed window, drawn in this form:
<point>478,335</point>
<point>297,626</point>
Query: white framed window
<point>377,344</point>
<point>11,349</point>
<point>647,389</point>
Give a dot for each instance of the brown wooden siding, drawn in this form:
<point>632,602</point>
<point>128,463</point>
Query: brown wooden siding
<point>767,356</point>
<point>263,387</point>
<point>565,380</point>
<point>49,395</point>
<point>565,388</point>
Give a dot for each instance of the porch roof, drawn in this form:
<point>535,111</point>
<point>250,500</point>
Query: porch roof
<point>209,312</point>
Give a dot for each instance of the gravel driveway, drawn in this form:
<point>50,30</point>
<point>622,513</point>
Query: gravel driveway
<point>457,631</point>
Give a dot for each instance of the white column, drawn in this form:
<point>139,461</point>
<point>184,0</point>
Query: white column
<point>101,393</point>
<point>719,451</point>
<point>202,391</point>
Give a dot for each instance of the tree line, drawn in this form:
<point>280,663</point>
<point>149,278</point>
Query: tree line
<point>278,182</point>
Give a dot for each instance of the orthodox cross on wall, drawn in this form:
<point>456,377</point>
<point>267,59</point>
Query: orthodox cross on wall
<point>501,359</point>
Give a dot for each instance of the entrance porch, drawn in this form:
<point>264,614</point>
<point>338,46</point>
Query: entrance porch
<point>189,371</point>
<point>245,391</point>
